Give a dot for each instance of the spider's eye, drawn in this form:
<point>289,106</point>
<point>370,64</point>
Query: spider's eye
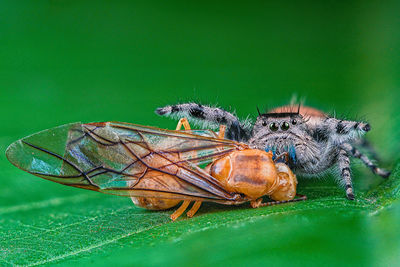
<point>264,123</point>
<point>285,126</point>
<point>294,121</point>
<point>273,127</point>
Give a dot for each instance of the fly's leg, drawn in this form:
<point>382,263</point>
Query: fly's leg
<point>357,154</point>
<point>183,122</point>
<point>221,132</point>
<point>160,203</point>
<point>180,210</point>
<point>194,209</point>
<point>196,204</point>
<point>258,202</point>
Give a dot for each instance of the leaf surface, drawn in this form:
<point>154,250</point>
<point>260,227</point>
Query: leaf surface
<point>66,61</point>
<point>52,224</point>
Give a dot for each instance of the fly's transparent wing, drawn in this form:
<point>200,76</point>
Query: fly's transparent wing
<point>126,159</point>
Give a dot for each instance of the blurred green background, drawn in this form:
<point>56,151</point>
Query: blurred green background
<point>65,61</point>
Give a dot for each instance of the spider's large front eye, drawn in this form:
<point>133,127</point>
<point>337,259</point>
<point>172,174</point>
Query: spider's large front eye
<point>285,126</point>
<point>273,127</point>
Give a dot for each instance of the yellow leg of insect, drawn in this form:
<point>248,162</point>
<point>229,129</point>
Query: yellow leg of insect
<point>194,209</point>
<point>180,210</point>
<point>221,133</point>
<point>258,202</point>
<point>183,122</point>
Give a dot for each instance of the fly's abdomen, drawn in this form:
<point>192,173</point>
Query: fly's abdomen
<point>250,172</point>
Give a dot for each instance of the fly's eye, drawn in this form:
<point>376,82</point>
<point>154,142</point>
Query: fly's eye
<point>264,123</point>
<point>294,121</point>
<point>273,127</point>
<point>285,126</point>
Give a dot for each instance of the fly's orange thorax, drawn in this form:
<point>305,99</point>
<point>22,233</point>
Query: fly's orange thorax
<point>251,172</point>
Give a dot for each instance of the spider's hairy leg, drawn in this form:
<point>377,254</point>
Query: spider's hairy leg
<point>194,111</point>
<point>344,166</point>
<point>357,154</point>
<point>341,131</point>
<point>367,146</point>
<point>258,202</point>
<point>208,117</point>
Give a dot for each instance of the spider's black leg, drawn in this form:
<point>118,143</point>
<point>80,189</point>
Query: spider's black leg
<point>237,132</point>
<point>357,154</point>
<point>208,116</point>
<point>365,144</point>
<point>344,166</point>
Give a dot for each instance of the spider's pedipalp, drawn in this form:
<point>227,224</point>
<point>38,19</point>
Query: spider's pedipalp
<point>209,117</point>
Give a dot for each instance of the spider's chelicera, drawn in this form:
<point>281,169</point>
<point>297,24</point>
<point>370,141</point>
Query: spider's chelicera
<point>314,141</point>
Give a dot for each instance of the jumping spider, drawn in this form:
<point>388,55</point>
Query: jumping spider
<point>314,141</point>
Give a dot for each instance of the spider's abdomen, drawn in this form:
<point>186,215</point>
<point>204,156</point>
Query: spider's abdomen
<point>303,111</point>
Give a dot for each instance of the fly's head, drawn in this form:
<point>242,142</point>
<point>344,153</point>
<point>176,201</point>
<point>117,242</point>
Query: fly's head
<point>278,132</point>
<point>287,184</point>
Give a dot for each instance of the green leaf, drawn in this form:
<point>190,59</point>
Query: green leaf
<point>50,223</point>
<point>66,61</point>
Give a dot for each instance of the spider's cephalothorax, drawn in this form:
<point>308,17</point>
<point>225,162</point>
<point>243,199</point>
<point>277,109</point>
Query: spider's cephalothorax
<point>314,141</point>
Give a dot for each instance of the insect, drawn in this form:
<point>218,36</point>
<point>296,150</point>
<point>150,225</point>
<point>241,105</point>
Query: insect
<point>315,142</point>
<point>157,168</point>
